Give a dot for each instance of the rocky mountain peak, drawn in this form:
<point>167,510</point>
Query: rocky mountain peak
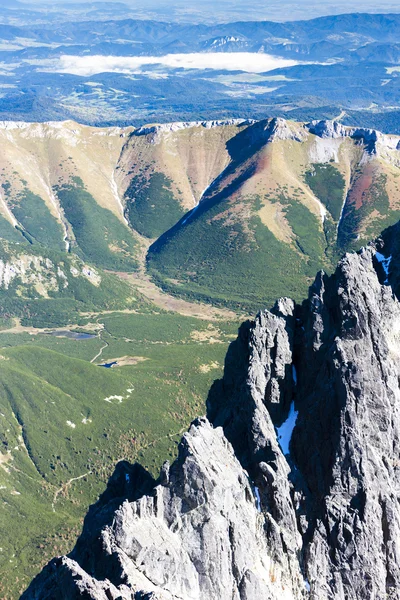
<point>289,489</point>
<point>328,129</point>
<point>375,141</point>
<point>281,129</point>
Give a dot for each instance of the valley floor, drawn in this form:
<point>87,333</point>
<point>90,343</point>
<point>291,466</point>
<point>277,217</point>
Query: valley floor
<point>66,422</point>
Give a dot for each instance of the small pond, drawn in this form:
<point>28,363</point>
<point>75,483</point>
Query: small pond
<point>109,365</point>
<point>73,335</point>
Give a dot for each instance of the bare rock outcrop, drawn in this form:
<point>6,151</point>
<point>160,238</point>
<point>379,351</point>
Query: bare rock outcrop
<point>346,442</point>
<point>200,534</point>
<point>375,141</point>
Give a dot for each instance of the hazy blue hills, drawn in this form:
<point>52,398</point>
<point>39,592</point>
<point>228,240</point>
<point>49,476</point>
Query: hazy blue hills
<point>104,71</point>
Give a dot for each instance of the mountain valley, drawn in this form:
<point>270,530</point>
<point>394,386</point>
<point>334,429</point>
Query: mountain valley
<point>259,504</point>
<point>128,259</point>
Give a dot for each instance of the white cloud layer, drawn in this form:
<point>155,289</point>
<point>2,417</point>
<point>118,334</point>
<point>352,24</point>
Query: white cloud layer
<point>92,65</point>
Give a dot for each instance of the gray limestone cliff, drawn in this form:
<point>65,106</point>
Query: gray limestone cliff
<point>290,488</point>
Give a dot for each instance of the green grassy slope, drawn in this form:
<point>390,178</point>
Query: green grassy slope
<point>240,264</point>
<point>245,245</point>
<point>64,418</point>
<point>152,208</point>
<point>55,291</point>
<point>10,233</point>
<point>375,211</point>
<point>101,238</point>
<point>328,185</point>
<point>36,219</point>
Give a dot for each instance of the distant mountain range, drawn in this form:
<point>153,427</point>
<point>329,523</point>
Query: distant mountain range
<point>343,32</point>
<point>344,67</point>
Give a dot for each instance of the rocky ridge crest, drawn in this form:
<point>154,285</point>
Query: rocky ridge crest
<point>277,128</point>
<point>156,132</point>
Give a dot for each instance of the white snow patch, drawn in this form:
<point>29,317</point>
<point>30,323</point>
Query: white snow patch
<point>191,213</point>
<point>341,214</point>
<point>130,390</point>
<point>258,499</point>
<point>322,210</point>
<point>114,189</point>
<point>385,262</point>
<point>70,424</point>
<point>286,429</point>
